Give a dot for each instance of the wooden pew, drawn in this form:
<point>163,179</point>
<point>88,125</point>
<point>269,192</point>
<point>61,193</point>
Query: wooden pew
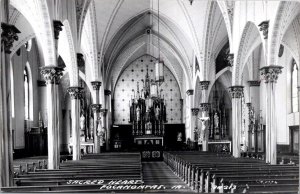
<point>211,173</point>
<point>106,167</point>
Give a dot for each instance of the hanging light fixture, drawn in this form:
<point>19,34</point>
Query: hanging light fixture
<point>159,65</point>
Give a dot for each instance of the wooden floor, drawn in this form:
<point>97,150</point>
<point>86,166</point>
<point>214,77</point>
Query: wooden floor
<point>158,173</point>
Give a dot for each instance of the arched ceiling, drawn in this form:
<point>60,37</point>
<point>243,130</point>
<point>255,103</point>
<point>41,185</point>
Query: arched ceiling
<point>291,38</point>
<point>17,19</point>
<point>183,35</point>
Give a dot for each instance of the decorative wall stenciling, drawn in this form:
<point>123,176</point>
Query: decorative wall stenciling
<point>126,88</point>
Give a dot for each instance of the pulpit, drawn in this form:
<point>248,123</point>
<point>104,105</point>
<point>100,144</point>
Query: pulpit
<point>36,141</point>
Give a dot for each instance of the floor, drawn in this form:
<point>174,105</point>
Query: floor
<point>158,173</point>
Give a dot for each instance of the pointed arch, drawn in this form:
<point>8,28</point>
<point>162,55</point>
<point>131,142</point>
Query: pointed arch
<point>285,14</point>
<point>250,39</point>
<point>37,14</point>
<point>66,49</point>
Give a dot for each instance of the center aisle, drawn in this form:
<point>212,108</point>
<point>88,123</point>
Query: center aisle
<point>158,173</point>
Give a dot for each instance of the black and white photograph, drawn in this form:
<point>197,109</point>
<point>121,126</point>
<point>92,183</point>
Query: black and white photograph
<point>150,96</point>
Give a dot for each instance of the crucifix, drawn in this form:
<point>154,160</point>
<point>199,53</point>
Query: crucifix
<point>203,133</point>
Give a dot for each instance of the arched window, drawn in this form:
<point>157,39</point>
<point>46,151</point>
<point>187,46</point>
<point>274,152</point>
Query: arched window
<point>26,94</point>
<point>294,86</point>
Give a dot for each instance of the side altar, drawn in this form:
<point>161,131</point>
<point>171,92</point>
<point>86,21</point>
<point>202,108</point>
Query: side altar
<point>148,118</point>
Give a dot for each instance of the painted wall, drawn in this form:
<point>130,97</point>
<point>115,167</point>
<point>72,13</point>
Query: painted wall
<point>127,82</point>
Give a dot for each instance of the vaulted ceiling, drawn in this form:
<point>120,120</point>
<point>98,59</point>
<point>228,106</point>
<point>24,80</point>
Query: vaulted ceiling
<point>119,34</point>
<point>185,31</point>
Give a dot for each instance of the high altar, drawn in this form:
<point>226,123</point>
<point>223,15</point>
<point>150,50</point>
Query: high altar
<point>148,118</point>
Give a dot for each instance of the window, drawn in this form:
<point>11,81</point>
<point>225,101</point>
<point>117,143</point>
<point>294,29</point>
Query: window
<point>26,94</point>
<point>294,86</point>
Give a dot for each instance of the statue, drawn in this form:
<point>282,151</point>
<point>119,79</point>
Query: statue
<point>99,127</point>
<point>204,133</point>
<point>179,137</point>
<point>204,124</point>
<point>147,114</point>
<point>82,127</point>
<point>101,132</point>
<point>157,113</point>
<point>82,122</point>
<point>91,124</point>
<point>138,113</point>
<point>148,128</point>
<point>216,120</point>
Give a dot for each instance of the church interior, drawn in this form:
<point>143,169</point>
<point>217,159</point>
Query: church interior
<point>172,96</point>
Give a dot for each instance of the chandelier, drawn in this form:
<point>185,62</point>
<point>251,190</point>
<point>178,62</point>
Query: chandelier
<point>159,65</point>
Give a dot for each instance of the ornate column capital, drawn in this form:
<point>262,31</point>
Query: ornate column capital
<point>75,92</point>
<point>107,92</point>
<point>96,85</point>
<point>264,27</point>
<point>57,27</point>
<point>195,111</point>
<point>236,91</point>
<point>8,36</point>
<point>52,74</point>
<point>204,85</point>
<point>190,92</point>
<point>270,73</point>
<point>204,107</point>
<point>96,108</point>
<point>254,83</point>
<point>80,60</point>
<point>230,59</point>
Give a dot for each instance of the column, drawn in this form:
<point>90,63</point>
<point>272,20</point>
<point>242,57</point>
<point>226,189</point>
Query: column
<point>8,36</point>
<point>195,112</point>
<point>107,93</point>
<point>76,94</point>
<point>236,95</point>
<point>270,75</point>
<point>97,126</point>
<point>204,118</point>
<point>204,89</point>
<point>96,110</point>
<point>299,126</point>
<point>52,75</point>
<point>189,124</point>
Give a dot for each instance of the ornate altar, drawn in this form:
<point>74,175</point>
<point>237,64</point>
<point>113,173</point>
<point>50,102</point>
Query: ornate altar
<point>148,118</point>
<point>256,131</point>
<point>218,124</point>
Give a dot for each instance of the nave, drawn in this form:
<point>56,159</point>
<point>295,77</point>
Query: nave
<point>196,95</point>
<point>181,171</point>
